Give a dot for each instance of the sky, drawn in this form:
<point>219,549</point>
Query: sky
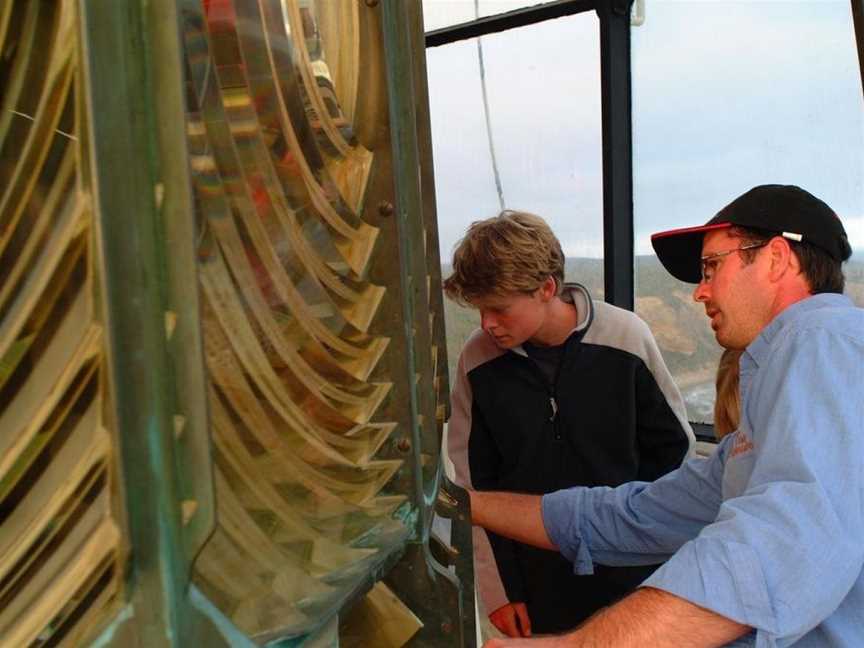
<point>726,95</point>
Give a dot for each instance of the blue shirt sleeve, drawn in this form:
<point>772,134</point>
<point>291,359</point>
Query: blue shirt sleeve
<point>638,523</point>
<point>786,547</point>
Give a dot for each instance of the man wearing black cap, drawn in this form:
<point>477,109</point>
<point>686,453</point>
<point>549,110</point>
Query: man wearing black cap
<point>764,538</point>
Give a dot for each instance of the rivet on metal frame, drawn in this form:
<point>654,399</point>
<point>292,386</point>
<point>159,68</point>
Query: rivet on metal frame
<point>385,208</point>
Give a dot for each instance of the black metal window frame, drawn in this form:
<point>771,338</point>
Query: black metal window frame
<point>614,16</point>
<point>858,23</point>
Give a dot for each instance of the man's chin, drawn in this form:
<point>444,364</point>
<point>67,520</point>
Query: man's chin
<point>720,337</point>
<point>728,343</point>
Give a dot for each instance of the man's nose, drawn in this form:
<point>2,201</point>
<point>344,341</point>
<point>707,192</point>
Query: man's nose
<point>700,293</point>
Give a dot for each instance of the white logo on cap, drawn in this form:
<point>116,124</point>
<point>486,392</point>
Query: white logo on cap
<point>792,235</point>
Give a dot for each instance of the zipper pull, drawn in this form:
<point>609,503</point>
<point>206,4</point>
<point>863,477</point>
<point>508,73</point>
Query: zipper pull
<point>554,408</point>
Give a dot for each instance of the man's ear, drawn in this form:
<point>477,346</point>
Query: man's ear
<point>782,259</point>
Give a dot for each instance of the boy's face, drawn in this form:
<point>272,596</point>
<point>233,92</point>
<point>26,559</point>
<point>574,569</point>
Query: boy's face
<point>513,319</point>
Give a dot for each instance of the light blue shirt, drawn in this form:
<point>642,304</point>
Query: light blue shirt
<point>768,531</point>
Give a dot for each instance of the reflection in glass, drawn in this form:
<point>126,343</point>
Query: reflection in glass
<point>748,104</point>
<point>300,399</point>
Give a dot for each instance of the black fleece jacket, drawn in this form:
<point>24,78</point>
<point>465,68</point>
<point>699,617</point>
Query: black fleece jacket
<point>612,416</point>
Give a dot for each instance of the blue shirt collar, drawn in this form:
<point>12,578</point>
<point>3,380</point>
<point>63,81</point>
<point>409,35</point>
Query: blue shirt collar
<point>760,347</point>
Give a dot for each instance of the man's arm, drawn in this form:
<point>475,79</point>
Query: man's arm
<point>633,524</point>
<point>651,519</point>
<point>648,617</point>
<point>785,551</point>
<point>518,517</point>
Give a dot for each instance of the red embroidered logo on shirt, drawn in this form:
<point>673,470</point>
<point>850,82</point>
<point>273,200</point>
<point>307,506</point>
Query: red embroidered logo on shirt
<point>741,444</point>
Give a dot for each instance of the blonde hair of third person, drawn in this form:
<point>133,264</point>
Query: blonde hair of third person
<point>727,407</point>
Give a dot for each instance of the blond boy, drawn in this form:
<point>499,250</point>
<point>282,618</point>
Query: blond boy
<point>554,390</point>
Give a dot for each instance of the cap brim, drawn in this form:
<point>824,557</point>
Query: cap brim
<point>680,250</point>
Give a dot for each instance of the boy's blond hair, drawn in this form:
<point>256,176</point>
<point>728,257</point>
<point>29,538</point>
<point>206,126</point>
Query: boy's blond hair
<point>727,406</point>
<point>514,252</point>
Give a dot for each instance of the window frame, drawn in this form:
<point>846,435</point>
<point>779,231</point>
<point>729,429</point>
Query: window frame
<point>614,25</point>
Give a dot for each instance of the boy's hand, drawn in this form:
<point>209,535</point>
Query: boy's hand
<point>512,619</point>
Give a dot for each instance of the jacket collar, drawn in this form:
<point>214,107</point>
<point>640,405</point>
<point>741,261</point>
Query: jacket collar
<point>578,295</point>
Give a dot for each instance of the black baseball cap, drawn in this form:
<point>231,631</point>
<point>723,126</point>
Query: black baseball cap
<point>788,210</point>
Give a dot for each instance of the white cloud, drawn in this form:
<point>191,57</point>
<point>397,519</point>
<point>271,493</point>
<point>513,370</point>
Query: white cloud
<point>855,231</point>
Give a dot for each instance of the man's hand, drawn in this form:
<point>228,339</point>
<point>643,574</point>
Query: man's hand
<point>512,619</point>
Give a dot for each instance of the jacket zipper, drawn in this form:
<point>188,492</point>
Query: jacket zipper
<point>556,430</point>
<point>551,391</point>
<point>553,402</point>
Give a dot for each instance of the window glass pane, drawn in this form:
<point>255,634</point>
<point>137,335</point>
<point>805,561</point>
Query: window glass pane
<point>543,88</point>
<point>728,95</point>
<point>445,13</point>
